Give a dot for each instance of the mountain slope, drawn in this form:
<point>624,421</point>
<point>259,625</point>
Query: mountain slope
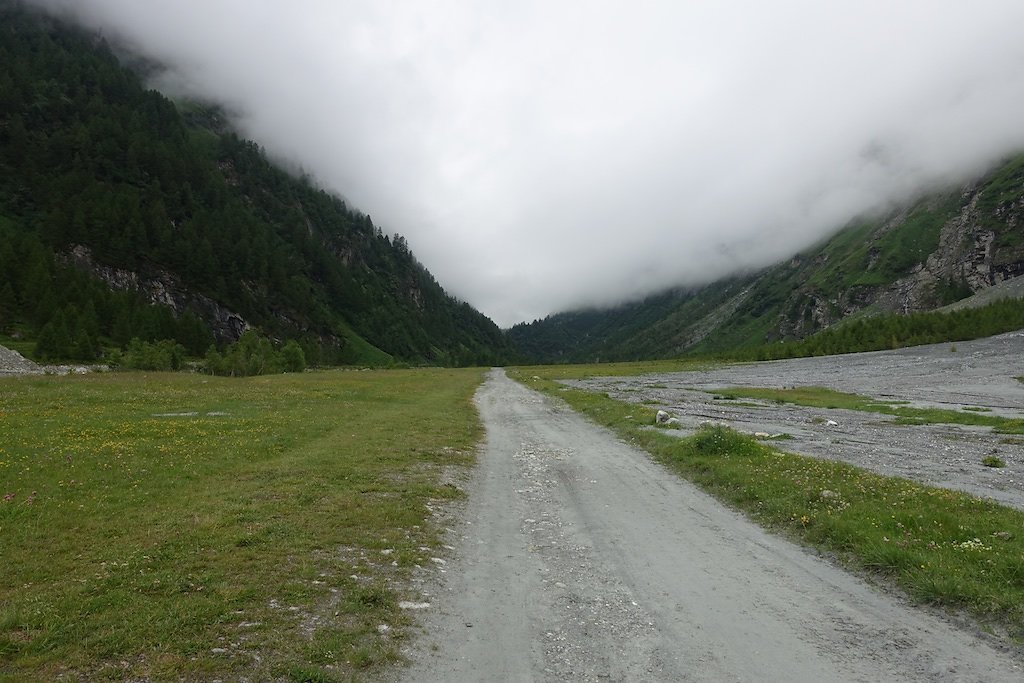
<point>920,257</point>
<point>124,215</point>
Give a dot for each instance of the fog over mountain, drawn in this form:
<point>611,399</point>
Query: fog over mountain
<point>546,155</point>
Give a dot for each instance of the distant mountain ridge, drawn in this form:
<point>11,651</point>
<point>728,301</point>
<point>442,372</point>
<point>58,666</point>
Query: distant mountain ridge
<point>125,215</point>
<point>926,255</point>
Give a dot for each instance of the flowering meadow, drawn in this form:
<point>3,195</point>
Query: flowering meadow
<point>185,526</point>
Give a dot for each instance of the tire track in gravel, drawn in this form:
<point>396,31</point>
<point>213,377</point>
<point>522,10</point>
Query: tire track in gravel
<point>579,558</point>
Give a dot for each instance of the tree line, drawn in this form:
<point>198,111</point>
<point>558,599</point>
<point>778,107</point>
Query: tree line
<point>877,333</point>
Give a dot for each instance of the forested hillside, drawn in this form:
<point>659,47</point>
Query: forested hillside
<point>123,214</point>
<point>934,251</point>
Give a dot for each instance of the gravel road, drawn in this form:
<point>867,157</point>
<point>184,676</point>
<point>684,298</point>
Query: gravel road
<point>579,558</point>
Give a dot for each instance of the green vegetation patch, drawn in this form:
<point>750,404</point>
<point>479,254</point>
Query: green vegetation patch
<point>940,546</point>
<point>821,397</point>
<point>623,369</point>
<point>894,331</point>
<point>167,526</point>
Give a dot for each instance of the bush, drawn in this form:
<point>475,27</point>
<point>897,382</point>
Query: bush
<point>721,441</point>
<point>255,355</point>
<point>166,354</point>
<point>292,357</point>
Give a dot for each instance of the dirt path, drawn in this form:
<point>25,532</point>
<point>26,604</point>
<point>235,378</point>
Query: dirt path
<point>581,559</point>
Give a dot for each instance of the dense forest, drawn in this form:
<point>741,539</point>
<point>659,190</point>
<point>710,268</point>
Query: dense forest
<point>93,162</point>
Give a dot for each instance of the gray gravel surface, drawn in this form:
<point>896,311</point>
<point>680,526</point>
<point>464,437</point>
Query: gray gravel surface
<point>978,374</point>
<point>579,558</point>
<point>13,363</point>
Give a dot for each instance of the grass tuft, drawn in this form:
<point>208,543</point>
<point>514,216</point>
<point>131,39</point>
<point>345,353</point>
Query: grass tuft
<point>993,461</point>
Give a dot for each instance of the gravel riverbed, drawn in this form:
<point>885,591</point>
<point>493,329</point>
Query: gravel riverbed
<point>979,375</point>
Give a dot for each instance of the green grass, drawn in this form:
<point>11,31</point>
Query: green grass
<point>172,526</point>
<point>939,546</point>
<point>821,397</point>
<point>622,369</point>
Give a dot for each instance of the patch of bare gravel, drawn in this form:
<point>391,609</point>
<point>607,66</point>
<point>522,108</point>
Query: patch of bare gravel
<point>13,363</point>
<point>977,374</point>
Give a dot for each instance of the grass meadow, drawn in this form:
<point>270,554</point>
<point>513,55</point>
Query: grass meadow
<point>938,546</point>
<point>169,526</point>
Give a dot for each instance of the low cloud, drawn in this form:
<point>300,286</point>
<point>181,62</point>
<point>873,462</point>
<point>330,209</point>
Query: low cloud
<point>540,156</point>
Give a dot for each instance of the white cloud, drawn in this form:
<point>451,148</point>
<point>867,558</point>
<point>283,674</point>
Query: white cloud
<point>544,155</point>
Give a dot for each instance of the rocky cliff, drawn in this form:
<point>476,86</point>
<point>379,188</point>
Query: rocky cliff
<point>161,287</point>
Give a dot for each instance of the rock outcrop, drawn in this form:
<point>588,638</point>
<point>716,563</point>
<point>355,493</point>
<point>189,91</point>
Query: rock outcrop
<point>971,256</point>
<point>163,287</point>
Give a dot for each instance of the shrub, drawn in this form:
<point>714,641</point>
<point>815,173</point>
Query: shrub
<point>166,354</point>
<point>255,355</point>
<point>719,440</point>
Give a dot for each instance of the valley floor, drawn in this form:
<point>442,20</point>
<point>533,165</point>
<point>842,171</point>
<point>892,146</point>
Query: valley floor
<point>979,375</point>
<point>579,558</point>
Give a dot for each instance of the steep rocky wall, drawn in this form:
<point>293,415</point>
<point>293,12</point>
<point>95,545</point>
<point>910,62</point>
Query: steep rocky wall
<point>162,287</point>
<point>968,256</point>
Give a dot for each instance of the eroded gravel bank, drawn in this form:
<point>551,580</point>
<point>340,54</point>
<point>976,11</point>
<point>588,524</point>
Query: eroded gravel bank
<point>979,374</point>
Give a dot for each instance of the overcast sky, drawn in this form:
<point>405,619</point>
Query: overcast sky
<point>543,155</point>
